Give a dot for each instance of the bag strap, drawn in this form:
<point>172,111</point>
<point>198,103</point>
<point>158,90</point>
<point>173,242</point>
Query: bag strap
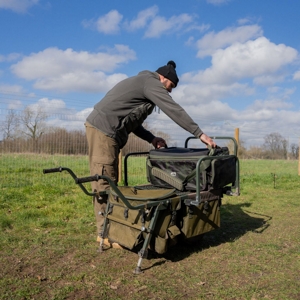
<point>173,181</point>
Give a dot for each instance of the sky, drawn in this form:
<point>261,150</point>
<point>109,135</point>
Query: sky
<point>237,61</point>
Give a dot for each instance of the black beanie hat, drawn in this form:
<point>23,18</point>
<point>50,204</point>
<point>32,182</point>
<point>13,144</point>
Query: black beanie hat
<point>169,72</point>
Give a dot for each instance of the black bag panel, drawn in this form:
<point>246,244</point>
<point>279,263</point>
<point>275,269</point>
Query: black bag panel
<point>175,171</point>
<point>223,172</point>
<point>171,167</point>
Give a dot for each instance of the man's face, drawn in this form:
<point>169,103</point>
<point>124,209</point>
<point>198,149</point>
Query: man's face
<point>168,84</point>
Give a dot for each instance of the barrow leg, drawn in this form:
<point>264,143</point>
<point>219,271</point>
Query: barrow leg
<point>103,233</point>
<point>144,251</point>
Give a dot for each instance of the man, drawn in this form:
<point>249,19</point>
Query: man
<point>122,111</point>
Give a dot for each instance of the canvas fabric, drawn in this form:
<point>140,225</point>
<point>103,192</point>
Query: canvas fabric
<point>197,220</point>
<point>177,220</point>
<point>125,224</point>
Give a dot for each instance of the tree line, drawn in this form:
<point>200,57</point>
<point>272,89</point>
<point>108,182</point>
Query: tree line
<point>275,146</point>
<point>28,132</point>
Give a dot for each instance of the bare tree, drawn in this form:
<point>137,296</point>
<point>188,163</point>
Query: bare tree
<point>276,145</point>
<point>33,122</point>
<point>295,150</point>
<point>10,125</point>
<point>61,141</point>
<point>254,152</point>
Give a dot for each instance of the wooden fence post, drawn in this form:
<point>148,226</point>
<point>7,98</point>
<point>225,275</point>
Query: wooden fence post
<point>237,136</point>
<point>120,167</point>
<point>299,159</point>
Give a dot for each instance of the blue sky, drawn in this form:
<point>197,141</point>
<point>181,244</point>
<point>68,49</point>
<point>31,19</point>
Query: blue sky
<point>237,60</point>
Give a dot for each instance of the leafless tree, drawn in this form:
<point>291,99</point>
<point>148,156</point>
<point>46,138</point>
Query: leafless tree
<point>33,122</point>
<point>61,141</point>
<point>254,152</point>
<point>295,150</point>
<point>276,145</point>
<point>10,125</point>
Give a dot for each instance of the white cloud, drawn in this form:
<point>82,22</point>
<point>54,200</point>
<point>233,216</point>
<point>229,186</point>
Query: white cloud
<point>160,25</point>
<point>11,95</point>
<point>244,60</point>
<point>247,20</point>
<point>212,41</point>
<point>19,6</point>
<point>270,105</point>
<point>269,113</point>
<point>217,2</point>
<point>201,28</point>
<point>11,89</point>
<point>54,106</point>
<point>91,82</point>
<point>155,25</point>
<point>215,109</point>
<point>143,18</point>
<point>268,80</point>
<point>15,104</point>
<point>10,57</point>
<point>231,74</point>
<point>243,21</point>
<point>68,70</point>
<point>253,58</point>
<point>107,24</point>
<point>202,93</point>
<point>59,115</point>
<point>296,75</point>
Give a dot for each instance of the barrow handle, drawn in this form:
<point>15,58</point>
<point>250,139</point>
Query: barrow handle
<point>87,179</point>
<point>45,171</point>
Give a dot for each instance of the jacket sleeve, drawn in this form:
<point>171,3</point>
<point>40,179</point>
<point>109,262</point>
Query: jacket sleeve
<point>157,93</point>
<point>144,134</point>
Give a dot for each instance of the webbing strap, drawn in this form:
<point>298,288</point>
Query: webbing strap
<point>132,193</point>
<point>175,182</point>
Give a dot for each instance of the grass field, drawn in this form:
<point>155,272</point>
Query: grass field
<point>48,240</point>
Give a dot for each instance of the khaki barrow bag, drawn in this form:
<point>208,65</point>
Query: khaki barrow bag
<point>177,220</point>
<point>125,225</point>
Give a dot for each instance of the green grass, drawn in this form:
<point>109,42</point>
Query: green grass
<point>48,248</point>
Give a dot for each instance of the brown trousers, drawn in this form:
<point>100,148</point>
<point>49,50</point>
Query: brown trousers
<point>103,159</point>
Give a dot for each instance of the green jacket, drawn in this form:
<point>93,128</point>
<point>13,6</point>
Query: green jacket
<point>126,106</point>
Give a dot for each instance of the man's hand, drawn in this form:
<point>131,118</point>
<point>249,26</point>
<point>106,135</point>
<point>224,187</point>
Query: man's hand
<point>207,140</point>
<point>158,142</point>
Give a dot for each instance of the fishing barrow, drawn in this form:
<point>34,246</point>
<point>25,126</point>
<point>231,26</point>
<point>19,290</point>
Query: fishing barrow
<point>181,200</point>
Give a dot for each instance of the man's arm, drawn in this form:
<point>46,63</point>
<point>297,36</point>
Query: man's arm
<point>160,97</point>
<point>207,140</point>
<point>146,135</point>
